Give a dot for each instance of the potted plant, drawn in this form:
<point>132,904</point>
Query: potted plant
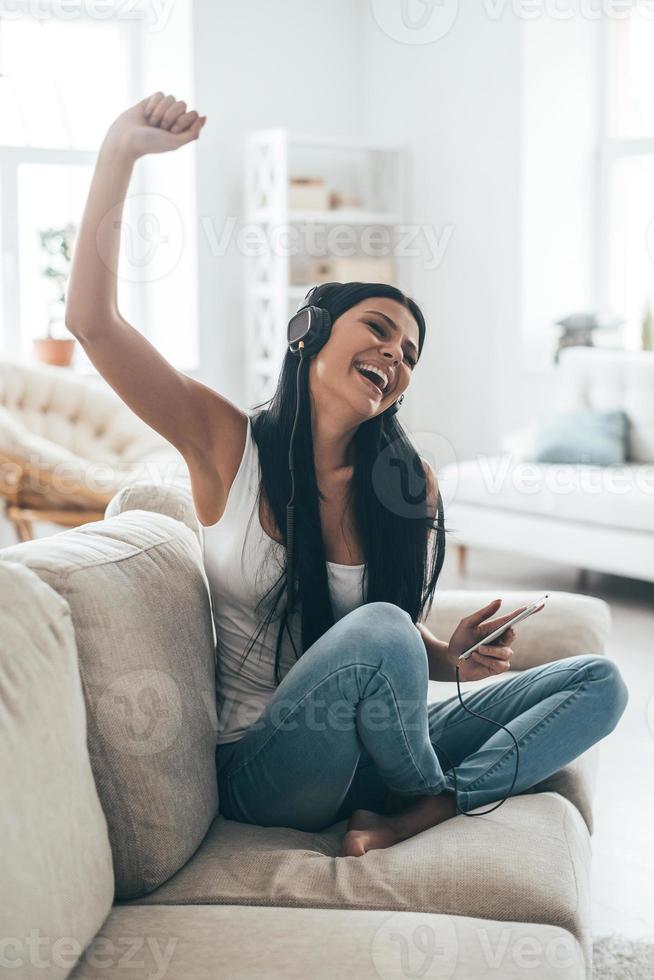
<point>57,243</point>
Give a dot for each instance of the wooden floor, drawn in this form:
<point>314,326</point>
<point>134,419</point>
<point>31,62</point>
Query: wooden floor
<point>623,841</point>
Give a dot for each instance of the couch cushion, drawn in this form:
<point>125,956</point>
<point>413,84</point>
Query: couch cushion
<point>528,861</point>
<point>140,606</point>
<point>174,499</point>
<point>618,496</point>
<point>55,859</point>
<point>254,943</point>
<point>599,438</point>
<point>608,381</point>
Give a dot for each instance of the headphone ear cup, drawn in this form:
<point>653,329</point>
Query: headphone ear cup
<point>312,325</point>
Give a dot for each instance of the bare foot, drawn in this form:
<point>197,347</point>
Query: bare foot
<point>367,830</point>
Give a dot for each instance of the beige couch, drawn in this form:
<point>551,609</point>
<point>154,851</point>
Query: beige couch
<point>115,860</point>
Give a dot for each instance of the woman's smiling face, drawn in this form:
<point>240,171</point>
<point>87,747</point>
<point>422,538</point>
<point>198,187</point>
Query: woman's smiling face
<point>378,331</point>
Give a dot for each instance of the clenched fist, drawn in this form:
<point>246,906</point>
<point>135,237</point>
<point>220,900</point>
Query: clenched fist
<point>154,125</point>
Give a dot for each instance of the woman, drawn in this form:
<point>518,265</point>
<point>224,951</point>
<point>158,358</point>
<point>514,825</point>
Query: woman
<point>330,719</point>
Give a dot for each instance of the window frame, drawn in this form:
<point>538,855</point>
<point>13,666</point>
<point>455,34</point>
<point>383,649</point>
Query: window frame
<point>612,150</point>
<point>12,157</point>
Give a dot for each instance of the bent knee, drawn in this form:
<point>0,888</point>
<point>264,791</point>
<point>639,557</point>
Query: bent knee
<point>382,618</point>
<point>610,684</point>
<point>388,629</point>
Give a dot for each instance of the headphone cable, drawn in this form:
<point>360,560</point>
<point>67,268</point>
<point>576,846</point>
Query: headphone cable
<point>499,725</point>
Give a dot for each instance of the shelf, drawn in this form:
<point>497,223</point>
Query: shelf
<point>377,177</point>
<point>337,142</point>
<point>347,216</point>
<point>267,291</point>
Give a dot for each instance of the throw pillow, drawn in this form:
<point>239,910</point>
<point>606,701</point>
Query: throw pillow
<point>594,438</point>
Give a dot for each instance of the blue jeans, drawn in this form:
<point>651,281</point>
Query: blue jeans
<point>350,723</point>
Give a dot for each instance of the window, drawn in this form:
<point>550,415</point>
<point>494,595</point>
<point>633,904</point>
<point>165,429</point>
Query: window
<point>65,73</point>
<point>626,247</point>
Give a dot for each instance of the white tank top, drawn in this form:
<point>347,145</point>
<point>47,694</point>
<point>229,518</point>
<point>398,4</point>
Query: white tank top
<point>242,562</point>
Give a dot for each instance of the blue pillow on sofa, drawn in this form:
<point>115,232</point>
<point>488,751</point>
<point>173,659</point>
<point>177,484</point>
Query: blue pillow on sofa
<point>596,438</point>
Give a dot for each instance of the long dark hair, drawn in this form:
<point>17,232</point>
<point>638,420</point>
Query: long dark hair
<point>388,490</point>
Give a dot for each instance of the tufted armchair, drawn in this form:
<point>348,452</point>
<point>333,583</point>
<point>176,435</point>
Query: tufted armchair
<point>68,444</point>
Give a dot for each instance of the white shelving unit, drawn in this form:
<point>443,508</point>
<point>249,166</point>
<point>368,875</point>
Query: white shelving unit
<point>374,172</point>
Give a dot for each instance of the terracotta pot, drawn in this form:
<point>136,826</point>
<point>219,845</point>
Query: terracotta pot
<point>54,350</point>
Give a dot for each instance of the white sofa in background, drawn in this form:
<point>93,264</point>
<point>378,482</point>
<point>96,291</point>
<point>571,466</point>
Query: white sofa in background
<point>598,518</point>
<point>113,843</point>
<point>68,444</point>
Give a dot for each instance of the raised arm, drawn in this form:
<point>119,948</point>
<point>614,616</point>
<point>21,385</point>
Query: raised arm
<point>192,417</point>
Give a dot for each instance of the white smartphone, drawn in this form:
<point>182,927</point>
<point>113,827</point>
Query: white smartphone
<point>534,607</point>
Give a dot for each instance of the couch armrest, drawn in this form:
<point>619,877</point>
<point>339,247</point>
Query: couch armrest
<point>569,624</point>
<point>172,500</point>
<point>55,860</point>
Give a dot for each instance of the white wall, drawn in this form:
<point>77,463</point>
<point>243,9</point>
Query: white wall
<point>500,116</point>
<point>294,63</point>
<point>560,121</point>
<point>456,101</point>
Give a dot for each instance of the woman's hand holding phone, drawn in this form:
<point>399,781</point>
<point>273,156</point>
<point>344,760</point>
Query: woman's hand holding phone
<point>486,659</point>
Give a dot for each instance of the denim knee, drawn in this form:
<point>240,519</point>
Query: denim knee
<point>390,635</point>
<point>391,626</point>
<point>611,685</point>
